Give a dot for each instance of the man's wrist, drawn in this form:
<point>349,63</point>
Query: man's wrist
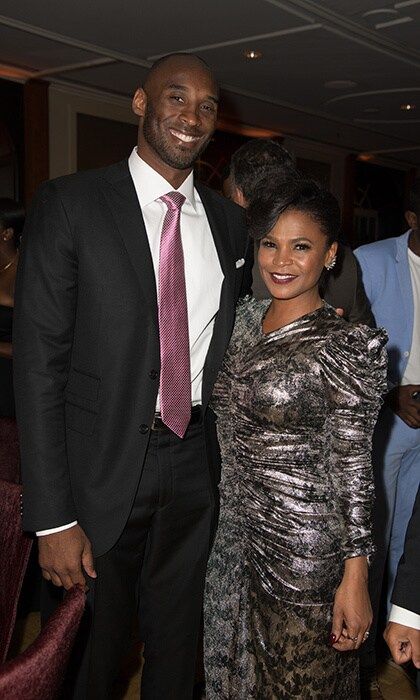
<point>405,617</point>
<point>53,530</point>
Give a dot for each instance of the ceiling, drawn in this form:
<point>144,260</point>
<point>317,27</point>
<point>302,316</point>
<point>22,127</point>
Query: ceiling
<point>108,44</point>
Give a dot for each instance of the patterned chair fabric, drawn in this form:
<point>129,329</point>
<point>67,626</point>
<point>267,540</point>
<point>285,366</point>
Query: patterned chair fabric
<point>15,547</point>
<point>37,673</point>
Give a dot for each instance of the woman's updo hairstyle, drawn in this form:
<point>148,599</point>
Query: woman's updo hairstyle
<point>297,194</point>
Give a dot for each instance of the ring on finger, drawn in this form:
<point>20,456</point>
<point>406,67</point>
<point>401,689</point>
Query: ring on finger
<point>354,639</point>
<point>366,635</point>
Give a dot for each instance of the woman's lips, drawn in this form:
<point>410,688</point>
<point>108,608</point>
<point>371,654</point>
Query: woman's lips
<point>282,278</point>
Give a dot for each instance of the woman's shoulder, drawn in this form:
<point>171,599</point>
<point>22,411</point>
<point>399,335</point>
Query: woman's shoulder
<point>248,319</point>
<point>352,337</point>
<point>250,309</point>
<point>354,352</point>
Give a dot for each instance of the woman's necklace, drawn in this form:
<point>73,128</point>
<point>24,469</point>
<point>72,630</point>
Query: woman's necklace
<point>9,264</point>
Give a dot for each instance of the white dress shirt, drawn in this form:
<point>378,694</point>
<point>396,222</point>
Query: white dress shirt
<point>203,274</point>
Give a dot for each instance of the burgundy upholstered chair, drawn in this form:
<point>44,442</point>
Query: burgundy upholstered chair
<point>15,547</point>
<point>9,450</point>
<point>37,673</point>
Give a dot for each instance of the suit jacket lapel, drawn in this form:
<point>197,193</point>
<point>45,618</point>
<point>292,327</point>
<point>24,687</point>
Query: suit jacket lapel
<point>121,197</point>
<point>225,316</point>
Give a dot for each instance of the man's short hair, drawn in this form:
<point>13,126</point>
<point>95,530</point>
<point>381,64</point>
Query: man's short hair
<point>257,160</point>
<point>181,54</point>
<point>414,197</point>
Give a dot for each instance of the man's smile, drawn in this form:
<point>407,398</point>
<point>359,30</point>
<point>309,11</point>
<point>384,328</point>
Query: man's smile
<point>185,138</point>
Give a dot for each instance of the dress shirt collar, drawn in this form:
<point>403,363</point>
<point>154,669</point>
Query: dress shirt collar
<point>150,185</point>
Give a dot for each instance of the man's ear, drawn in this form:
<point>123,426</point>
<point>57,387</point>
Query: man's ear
<point>412,219</point>
<point>139,102</point>
<point>239,197</point>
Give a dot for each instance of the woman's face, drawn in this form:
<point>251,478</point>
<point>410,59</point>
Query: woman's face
<point>293,254</point>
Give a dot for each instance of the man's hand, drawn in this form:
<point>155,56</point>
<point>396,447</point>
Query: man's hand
<point>403,642</point>
<point>401,401</point>
<point>63,556</point>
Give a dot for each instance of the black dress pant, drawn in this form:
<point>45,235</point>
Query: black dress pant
<point>156,570</point>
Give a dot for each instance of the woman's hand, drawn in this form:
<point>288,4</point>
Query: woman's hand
<point>352,612</point>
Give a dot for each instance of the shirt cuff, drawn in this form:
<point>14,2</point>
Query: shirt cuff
<point>41,533</point>
<point>404,617</point>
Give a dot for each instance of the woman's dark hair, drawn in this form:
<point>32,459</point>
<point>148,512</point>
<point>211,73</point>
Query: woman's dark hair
<point>12,215</point>
<point>296,194</point>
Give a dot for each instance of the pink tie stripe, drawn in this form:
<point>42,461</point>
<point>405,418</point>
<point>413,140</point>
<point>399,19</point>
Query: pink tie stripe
<point>175,372</point>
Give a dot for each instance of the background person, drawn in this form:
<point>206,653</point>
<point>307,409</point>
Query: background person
<point>258,164</point>
<point>391,276</point>
<point>403,631</point>
<point>296,401</point>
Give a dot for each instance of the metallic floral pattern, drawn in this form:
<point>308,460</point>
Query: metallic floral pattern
<point>296,409</point>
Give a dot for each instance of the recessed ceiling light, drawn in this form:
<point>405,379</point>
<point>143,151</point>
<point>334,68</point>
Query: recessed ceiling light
<point>408,107</point>
<point>365,157</point>
<point>252,54</point>
<point>340,84</point>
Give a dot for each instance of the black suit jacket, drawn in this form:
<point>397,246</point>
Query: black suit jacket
<point>343,288</point>
<point>406,591</point>
<point>86,346</point>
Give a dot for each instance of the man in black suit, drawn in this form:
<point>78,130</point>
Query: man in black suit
<point>112,491</point>
<point>260,164</point>
<point>403,631</point>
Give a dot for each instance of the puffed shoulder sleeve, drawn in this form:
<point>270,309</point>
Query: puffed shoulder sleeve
<point>354,364</point>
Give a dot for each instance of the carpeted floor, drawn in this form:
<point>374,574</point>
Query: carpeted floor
<point>393,681</point>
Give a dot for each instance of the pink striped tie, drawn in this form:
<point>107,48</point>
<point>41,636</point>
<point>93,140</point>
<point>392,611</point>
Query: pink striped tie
<point>175,372</point>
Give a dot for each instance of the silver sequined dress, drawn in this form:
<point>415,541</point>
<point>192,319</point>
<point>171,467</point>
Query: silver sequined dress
<point>295,413</point>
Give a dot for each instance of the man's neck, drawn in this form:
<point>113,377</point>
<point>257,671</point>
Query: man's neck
<point>172,175</point>
<point>414,241</point>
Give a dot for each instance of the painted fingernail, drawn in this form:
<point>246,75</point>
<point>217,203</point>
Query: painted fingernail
<point>332,639</point>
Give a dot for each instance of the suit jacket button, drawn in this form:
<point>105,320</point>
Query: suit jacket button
<point>153,374</point>
<point>144,428</point>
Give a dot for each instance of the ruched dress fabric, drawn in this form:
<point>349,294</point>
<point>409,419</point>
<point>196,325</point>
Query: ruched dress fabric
<point>295,413</point>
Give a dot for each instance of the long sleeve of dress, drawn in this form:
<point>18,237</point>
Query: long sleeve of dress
<point>354,366</point>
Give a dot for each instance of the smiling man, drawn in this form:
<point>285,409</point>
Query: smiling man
<point>125,304</point>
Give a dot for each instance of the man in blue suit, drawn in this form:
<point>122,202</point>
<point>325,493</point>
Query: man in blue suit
<point>391,275</point>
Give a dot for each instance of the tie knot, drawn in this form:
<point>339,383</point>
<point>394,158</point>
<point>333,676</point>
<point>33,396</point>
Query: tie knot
<point>173,200</point>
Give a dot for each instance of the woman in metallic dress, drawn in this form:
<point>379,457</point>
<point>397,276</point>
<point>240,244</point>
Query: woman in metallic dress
<point>297,398</point>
